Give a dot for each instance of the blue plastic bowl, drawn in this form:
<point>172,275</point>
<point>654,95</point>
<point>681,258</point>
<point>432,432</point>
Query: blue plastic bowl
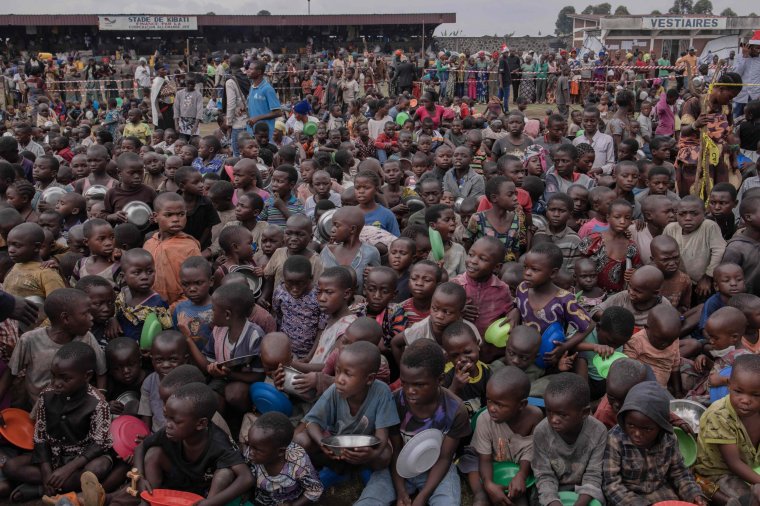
<point>267,398</point>
<point>553,332</point>
<point>717,393</point>
<point>536,401</point>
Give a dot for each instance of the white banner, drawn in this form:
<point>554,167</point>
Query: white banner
<point>148,22</point>
<point>683,23</point>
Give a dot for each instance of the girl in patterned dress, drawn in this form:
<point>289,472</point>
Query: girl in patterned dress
<point>504,221</point>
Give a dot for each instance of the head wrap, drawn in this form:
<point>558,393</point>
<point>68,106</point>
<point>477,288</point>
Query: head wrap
<point>652,401</point>
<point>302,107</point>
<point>535,150</point>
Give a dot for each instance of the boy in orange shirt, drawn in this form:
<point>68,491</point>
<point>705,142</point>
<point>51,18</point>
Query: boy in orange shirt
<point>170,246</point>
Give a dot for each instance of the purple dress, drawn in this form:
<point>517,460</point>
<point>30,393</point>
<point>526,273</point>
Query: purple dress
<point>562,308</point>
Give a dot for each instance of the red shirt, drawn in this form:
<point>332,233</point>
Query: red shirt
<point>492,298</point>
<point>523,198</point>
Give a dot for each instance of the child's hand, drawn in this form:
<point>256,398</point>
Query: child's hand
<point>400,209</point>
<point>496,494</point>
<point>328,452</point>
<point>59,477</point>
<point>120,217</point>
<point>471,311</point>
<point>357,456</point>
<point>279,377</point>
<point>702,363</point>
<point>279,204</point>
<point>567,362</point>
<point>217,372</point>
<point>259,271</point>
<point>462,371</point>
<point>50,264</point>
<point>603,350</point>
<point>704,286</point>
<point>404,500</point>
<point>517,486</point>
<point>116,407</point>
<point>640,224</point>
<point>628,274</point>
<point>305,382</point>
<point>113,329</point>
<point>701,501</point>
<point>556,354</point>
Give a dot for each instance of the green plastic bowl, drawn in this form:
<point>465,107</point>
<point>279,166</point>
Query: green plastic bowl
<point>504,472</point>
<point>310,128</point>
<point>436,244</point>
<point>687,446</point>
<point>498,334</point>
<point>151,328</point>
<point>401,118</point>
<point>568,498</point>
<point>603,364</point>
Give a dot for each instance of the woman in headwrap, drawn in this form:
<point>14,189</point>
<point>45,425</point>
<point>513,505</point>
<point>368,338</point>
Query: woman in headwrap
<point>528,82</point>
<point>161,99</point>
<point>702,162</point>
<point>534,160</point>
<point>481,65</point>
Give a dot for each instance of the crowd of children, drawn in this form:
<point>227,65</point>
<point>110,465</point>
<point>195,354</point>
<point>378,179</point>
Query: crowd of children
<point>370,275</point>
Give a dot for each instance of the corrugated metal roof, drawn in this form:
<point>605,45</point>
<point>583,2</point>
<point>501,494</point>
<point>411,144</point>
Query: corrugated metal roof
<point>235,20</point>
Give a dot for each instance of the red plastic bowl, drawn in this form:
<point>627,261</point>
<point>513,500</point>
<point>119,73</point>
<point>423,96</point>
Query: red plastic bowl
<point>673,503</point>
<point>124,431</point>
<point>166,497</point>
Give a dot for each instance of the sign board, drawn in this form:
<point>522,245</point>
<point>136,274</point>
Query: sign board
<point>148,23</point>
<point>683,23</point>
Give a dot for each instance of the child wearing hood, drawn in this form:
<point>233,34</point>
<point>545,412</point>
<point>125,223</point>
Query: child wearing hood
<point>642,462</point>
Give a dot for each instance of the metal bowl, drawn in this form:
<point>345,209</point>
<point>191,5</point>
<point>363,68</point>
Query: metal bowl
<point>339,443</point>
<point>96,190</point>
<point>688,411</point>
<point>290,374</point>
<point>131,402</point>
<point>138,213</point>
<point>35,299</point>
<point>254,282</point>
<point>52,195</point>
<point>414,204</point>
<point>324,225</point>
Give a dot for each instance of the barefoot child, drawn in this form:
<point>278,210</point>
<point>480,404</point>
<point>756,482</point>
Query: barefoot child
<point>70,438</point>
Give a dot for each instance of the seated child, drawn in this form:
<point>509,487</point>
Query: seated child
<point>568,446</point>
<point>400,258</point>
<point>623,375</point>
<point>27,277</point>
<point>185,374</point>
<point>504,433</point>
<point>201,458</point>
<point>170,246</point>
<point>726,455</point>
<point>676,287</point>
<point>68,310</point>
<point>588,293</point>
<point>723,332</point>
<point>642,462</point>
<point>642,295</point>
<point>281,468</point>
<point>379,290</point>
<point>99,239</point>
<point>356,404</point>
<point>749,304</point>
<point>192,315</point>
<point>235,243</point>
<point>441,218</point>
<point>295,305</point>
<point>699,241</point>
<point>102,307</point>
<point>70,437</point>
<point>557,232</point>
<point>233,336</point>
<point>138,299</point>
<point>169,350</point>
<point>424,276</point>
<point>72,208</point>
<point>722,202</point>
<point>446,307</point>
<point>464,375</point>
<point>743,248</point>
<point>657,346</point>
<point>542,264</point>
<point>614,330</point>
<point>125,373</point>
<point>488,297</point>
<point>422,404</point>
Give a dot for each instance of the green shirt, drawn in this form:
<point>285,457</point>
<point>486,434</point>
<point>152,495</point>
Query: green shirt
<point>663,62</point>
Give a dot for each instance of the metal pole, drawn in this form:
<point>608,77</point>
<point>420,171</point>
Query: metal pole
<point>308,3</point>
<point>422,49</point>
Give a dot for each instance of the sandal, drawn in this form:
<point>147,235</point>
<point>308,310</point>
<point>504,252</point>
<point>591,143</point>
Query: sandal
<point>26,492</point>
<point>92,491</point>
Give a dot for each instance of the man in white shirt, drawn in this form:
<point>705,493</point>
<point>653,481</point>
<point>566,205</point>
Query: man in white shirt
<point>747,65</point>
<point>25,143</point>
<point>603,144</point>
<point>142,76</point>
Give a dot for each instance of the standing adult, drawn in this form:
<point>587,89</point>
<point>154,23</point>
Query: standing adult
<point>505,78</point>
<point>263,104</point>
<point>91,72</point>
<point>514,69</point>
<point>188,110</point>
<point>747,65</point>
<point>142,77</point>
<point>236,90</point>
<point>161,99</point>
<point>404,75</point>
<point>528,75</point>
<point>126,73</point>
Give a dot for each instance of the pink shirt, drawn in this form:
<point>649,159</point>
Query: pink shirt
<point>591,226</point>
<point>423,113</point>
<point>667,123</point>
<point>662,362</point>
<point>492,298</point>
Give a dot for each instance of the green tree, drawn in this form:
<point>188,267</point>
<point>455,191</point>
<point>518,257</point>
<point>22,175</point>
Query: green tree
<point>621,11</point>
<point>728,12</point>
<point>655,13</point>
<point>263,13</point>
<point>564,24</point>
<point>703,7</point>
<point>682,7</point>
<point>588,10</point>
<point>604,9</point>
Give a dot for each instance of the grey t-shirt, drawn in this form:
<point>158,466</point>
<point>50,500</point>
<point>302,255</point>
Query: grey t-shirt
<point>332,413</point>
